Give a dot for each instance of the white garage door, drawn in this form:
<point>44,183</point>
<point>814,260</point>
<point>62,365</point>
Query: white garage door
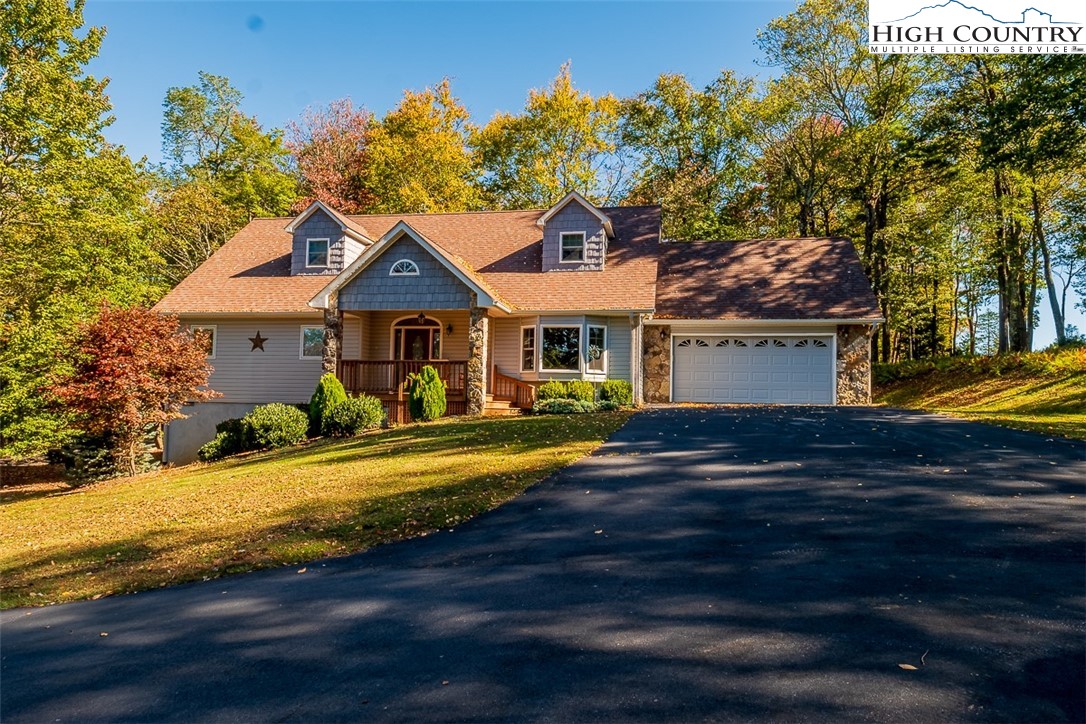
<point>793,370</point>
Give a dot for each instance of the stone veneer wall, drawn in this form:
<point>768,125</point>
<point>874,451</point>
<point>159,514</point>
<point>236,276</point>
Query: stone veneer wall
<point>853,364</point>
<point>657,363</point>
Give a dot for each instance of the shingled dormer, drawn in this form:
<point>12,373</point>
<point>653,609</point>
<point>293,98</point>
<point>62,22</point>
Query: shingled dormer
<point>325,241</point>
<point>575,235</point>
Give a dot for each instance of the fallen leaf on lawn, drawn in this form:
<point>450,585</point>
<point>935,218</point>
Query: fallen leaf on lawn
<point>908,667</point>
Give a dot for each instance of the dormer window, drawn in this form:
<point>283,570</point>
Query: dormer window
<point>572,246</point>
<point>404,268</point>
<point>316,252</point>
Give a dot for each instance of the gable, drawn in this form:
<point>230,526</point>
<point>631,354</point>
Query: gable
<point>342,249</point>
<point>435,287</point>
<point>573,217</point>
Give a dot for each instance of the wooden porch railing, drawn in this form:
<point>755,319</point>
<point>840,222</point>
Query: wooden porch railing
<point>509,388</point>
<point>388,376</point>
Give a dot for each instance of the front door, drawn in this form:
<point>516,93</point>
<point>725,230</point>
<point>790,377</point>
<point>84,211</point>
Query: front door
<point>416,344</point>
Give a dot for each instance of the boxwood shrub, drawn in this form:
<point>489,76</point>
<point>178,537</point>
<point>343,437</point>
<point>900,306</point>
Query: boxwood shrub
<point>582,390</point>
<point>553,390</point>
<point>277,425</point>
<point>560,406</point>
<point>617,391</point>
<point>352,416</point>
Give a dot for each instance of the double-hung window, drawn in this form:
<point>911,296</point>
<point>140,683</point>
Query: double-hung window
<point>316,252</point>
<point>527,349</point>
<point>597,349</point>
<point>572,246</point>
<point>312,342</point>
<point>206,336</point>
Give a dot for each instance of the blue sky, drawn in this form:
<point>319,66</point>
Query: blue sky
<point>285,56</point>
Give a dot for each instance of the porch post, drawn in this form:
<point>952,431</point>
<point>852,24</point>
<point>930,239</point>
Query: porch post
<point>478,333</point>
<point>333,335</point>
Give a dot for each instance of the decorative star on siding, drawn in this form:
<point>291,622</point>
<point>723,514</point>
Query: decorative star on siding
<point>258,342</point>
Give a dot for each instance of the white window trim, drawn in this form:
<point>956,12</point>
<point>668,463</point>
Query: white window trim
<point>535,348</point>
<point>301,341</point>
<point>580,347</point>
<point>214,336</point>
<point>327,253</point>
<point>396,325</point>
<point>393,273</point>
<point>603,352</point>
<point>562,247</point>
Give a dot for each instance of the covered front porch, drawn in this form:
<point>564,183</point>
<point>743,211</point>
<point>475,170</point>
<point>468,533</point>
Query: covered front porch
<point>380,350</point>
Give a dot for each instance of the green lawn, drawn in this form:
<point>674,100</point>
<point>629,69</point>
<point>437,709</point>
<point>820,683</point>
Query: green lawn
<point>276,508</point>
<point>1043,392</point>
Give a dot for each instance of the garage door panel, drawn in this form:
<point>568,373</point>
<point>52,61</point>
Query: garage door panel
<point>754,369</point>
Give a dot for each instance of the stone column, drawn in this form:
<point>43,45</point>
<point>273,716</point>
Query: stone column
<point>854,364</point>
<point>656,370</point>
<point>478,358</point>
<point>333,335</point>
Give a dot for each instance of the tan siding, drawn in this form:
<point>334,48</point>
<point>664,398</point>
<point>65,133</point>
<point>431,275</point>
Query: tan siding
<point>274,375</point>
<point>505,350</point>
<point>352,337</point>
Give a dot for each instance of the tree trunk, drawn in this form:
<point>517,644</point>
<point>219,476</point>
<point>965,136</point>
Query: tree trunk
<point>1050,282</point>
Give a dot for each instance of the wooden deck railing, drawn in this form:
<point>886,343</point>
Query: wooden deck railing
<point>388,376</point>
<point>509,388</point>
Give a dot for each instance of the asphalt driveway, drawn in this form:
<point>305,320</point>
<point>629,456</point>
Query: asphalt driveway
<point>724,564</point>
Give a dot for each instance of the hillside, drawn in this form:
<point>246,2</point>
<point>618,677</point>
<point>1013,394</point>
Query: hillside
<point>1043,391</point>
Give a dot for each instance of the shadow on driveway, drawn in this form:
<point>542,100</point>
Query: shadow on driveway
<point>720,563</point>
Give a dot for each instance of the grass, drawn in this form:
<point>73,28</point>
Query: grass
<point>276,508</point>
<point>1043,392</point>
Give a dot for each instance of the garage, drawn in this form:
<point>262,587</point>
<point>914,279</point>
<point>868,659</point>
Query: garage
<point>783,369</point>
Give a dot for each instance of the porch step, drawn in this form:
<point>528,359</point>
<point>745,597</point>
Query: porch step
<point>500,407</point>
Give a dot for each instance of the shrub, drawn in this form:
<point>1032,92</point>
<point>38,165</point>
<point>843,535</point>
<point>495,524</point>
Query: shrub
<point>560,406</point>
<point>607,406</point>
<point>553,390</point>
<point>426,398</point>
<point>215,449</point>
<point>618,391</point>
<point>352,416</point>
<point>327,396</point>
<point>582,390</point>
<point>276,425</point>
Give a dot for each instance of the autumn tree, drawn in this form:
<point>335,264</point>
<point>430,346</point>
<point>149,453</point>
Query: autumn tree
<point>691,147</point>
<point>875,98</point>
<point>564,140</point>
<point>417,158</point>
<point>134,369</point>
<point>330,147</point>
<point>73,223</point>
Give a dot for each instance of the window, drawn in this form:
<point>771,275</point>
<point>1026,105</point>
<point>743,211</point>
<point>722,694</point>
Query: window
<point>404,268</point>
<point>206,336</point>
<point>316,252</point>
<point>597,349</point>
<point>561,349</point>
<point>527,349</point>
<point>572,246</point>
<point>312,343</point>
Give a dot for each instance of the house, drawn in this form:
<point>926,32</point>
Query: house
<point>499,301</point>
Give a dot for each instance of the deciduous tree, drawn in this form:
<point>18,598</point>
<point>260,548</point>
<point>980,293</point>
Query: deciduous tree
<point>564,140</point>
<point>134,369</point>
<point>329,145</point>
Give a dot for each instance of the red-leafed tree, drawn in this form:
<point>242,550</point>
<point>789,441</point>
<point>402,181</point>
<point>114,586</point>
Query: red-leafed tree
<point>135,368</point>
<point>329,145</point>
